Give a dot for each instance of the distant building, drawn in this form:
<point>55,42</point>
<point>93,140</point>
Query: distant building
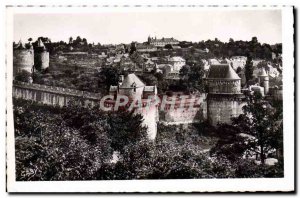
<point>263,78</point>
<point>257,89</point>
<point>120,49</point>
<point>237,61</point>
<point>162,42</point>
<point>149,65</point>
<point>213,61</point>
<point>145,48</point>
<point>177,62</point>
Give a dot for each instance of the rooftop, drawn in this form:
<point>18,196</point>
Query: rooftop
<point>262,72</point>
<point>40,43</point>
<point>19,45</point>
<point>176,58</point>
<point>222,71</point>
<point>132,80</point>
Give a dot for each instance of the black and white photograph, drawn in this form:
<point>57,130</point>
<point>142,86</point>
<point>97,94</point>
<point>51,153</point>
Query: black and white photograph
<point>145,99</point>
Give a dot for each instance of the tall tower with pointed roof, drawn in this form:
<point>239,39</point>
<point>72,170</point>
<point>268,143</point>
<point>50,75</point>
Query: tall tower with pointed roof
<point>224,99</point>
<point>23,58</point>
<point>41,56</point>
<point>263,78</point>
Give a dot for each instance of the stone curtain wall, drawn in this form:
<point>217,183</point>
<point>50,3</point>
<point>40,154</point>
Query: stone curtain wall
<point>53,95</point>
<point>186,115</point>
<point>222,109</point>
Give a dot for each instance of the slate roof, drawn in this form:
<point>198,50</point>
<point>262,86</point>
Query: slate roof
<point>40,43</point>
<point>222,71</point>
<point>262,72</point>
<point>19,45</point>
<point>130,80</point>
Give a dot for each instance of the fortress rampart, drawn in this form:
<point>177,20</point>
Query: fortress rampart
<point>53,95</point>
<point>222,107</point>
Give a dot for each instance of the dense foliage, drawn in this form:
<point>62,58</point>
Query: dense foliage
<point>76,143</point>
<point>69,143</point>
<point>255,134</point>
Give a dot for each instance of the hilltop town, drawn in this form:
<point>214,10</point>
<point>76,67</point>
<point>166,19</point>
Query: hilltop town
<point>190,89</point>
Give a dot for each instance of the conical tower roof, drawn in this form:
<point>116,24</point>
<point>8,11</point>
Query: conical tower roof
<point>40,43</point>
<point>132,80</point>
<point>263,72</point>
<point>20,45</point>
<point>222,71</point>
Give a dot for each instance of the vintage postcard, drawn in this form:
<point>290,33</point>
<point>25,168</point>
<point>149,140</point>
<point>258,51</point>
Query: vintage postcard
<point>150,99</point>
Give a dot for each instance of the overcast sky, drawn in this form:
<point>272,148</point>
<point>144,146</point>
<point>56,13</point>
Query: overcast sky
<point>115,28</point>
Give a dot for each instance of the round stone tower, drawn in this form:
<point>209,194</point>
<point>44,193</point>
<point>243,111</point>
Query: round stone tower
<point>224,99</point>
<point>23,58</point>
<point>41,56</point>
<point>264,80</point>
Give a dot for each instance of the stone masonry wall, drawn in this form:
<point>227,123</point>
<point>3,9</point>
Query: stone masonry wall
<point>52,95</point>
<point>23,60</point>
<point>185,115</point>
<point>42,60</point>
<point>221,111</point>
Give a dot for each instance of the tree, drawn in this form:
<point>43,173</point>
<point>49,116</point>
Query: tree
<point>192,75</point>
<point>23,76</point>
<point>132,48</point>
<point>84,41</point>
<point>238,70</point>
<point>78,39</point>
<point>110,76</point>
<point>249,69</point>
<point>125,129</point>
<point>168,46</point>
<point>254,40</point>
<point>137,59</point>
<point>255,133</point>
<point>48,148</point>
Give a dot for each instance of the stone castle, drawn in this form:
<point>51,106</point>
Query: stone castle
<point>26,58</point>
<point>223,100</point>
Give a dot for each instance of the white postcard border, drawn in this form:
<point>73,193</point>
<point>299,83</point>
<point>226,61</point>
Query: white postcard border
<point>182,185</point>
